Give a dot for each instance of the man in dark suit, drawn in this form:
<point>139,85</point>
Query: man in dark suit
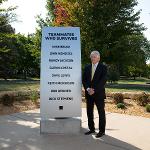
<point>94,79</point>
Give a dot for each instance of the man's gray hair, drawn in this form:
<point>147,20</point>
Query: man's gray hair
<point>95,53</point>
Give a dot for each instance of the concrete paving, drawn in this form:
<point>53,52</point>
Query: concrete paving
<point>21,131</point>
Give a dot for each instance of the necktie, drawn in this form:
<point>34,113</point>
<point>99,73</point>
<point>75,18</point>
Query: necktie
<point>93,71</point>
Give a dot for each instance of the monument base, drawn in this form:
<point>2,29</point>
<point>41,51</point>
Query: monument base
<point>61,126</point>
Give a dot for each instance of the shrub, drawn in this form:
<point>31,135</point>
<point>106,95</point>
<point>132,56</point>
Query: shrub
<point>142,99</point>
<point>22,95</point>
<point>148,107</point>
<point>34,96</point>
<point>120,105</point>
<point>8,99</point>
<point>118,98</point>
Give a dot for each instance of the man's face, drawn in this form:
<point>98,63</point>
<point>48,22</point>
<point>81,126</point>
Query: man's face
<point>95,58</point>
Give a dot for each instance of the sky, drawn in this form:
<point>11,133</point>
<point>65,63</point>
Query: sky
<point>28,9</point>
<point>144,5</point>
<point>26,12</point>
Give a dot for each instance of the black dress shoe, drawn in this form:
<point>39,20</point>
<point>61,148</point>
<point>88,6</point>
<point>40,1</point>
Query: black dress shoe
<point>100,134</point>
<point>89,132</point>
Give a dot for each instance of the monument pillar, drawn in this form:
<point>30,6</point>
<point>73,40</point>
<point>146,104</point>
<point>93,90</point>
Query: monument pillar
<point>60,82</point>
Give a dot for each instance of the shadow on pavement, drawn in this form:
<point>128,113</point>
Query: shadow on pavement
<point>23,133</point>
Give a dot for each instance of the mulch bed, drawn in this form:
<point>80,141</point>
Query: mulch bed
<point>131,107</point>
<point>18,106</point>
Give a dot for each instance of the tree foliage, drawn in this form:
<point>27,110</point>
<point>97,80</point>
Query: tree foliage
<point>6,40</point>
<point>108,26</point>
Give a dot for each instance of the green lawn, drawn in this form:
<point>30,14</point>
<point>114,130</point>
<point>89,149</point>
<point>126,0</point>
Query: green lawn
<point>137,81</point>
<point>130,85</point>
<point>19,85</point>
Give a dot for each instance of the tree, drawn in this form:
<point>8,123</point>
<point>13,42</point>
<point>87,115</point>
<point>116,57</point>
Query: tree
<point>17,56</point>
<point>134,72</point>
<point>113,74</point>
<point>25,62</point>
<point>6,41</point>
<point>6,17</point>
<point>130,51</point>
<point>7,55</point>
<point>148,71</point>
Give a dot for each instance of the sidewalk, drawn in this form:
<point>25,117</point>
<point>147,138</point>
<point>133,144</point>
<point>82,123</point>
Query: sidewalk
<point>21,131</point>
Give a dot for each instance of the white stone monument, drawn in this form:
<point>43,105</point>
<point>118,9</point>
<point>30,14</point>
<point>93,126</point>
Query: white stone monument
<point>60,84</point>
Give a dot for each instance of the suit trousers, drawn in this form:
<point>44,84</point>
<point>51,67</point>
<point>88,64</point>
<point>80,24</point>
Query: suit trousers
<point>100,104</point>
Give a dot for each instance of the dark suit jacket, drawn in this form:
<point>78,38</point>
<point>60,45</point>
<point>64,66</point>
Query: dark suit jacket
<point>98,82</point>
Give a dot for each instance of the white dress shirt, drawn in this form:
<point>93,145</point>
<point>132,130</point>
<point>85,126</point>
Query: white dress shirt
<point>95,66</point>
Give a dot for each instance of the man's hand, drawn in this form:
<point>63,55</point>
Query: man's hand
<point>91,91</point>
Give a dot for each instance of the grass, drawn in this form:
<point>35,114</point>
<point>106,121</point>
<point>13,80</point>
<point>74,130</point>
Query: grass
<point>130,85</point>
<point>136,81</point>
<point>19,85</point>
